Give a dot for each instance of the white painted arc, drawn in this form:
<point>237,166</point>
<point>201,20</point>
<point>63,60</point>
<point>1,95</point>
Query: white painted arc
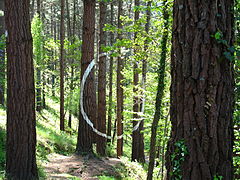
<point>85,116</point>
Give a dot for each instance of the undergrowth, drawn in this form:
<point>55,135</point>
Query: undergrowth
<point>49,138</point>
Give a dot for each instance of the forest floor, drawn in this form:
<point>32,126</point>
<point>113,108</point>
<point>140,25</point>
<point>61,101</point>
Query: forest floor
<point>55,152</point>
<point>67,167</point>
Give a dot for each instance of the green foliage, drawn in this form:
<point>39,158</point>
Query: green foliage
<point>130,170</point>
<point>38,41</point>
<point>105,178</point>
<point>50,139</point>
<point>2,150</point>
<point>2,61</point>
<point>216,177</point>
<point>177,158</point>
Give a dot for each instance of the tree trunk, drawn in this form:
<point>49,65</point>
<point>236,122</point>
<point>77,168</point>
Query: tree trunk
<point>101,120</point>
<point>119,87</point>
<point>44,91</point>
<point>2,57</point>
<point>201,91</point>
<point>137,136</point>
<point>110,103</point>
<point>21,120</point>
<point>62,36</point>
<point>160,92</point>
<point>39,79</point>
<point>85,133</point>
<point>54,52</point>
<point>70,39</point>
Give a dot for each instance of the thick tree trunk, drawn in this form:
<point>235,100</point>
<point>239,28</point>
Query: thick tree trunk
<point>2,57</point>
<point>137,136</point>
<point>62,36</point>
<point>85,133</point>
<point>160,92</point>
<point>201,91</point>
<point>101,120</point>
<point>119,87</point>
<point>110,101</point>
<point>21,120</point>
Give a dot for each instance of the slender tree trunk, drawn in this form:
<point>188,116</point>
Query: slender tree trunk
<point>70,39</point>
<point>2,57</point>
<point>21,120</point>
<point>32,9</point>
<point>160,91</point>
<point>62,36</point>
<point>144,61</point>
<point>39,7</point>
<point>165,135</point>
<point>201,91</point>
<point>137,136</point>
<point>72,61</point>
<point>114,130</point>
<point>39,79</point>
<point>119,87</point>
<point>110,103</point>
<point>85,133</point>
<point>55,39</point>
<point>101,120</point>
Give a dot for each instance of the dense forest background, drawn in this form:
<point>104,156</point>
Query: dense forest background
<point>126,95</point>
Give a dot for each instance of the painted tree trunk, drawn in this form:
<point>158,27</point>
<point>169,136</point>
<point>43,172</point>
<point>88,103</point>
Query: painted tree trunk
<point>62,36</point>
<point>110,101</point>
<point>119,87</point>
<point>201,91</point>
<point>101,120</point>
<point>137,136</point>
<point>85,133</point>
<point>21,119</point>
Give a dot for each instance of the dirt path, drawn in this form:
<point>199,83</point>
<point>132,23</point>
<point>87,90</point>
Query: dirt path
<point>68,167</point>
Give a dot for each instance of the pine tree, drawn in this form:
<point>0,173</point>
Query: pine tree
<point>201,141</point>
<point>21,120</point>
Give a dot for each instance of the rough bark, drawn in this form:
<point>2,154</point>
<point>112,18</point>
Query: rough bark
<point>21,120</point>
<point>101,120</point>
<point>137,136</point>
<point>85,133</point>
<point>119,87</point>
<point>160,92</point>
<point>202,89</point>
<point>62,36</point>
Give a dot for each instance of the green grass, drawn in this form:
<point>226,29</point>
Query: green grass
<point>2,141</point>
<point>106,178</point>
<point>49,138</point>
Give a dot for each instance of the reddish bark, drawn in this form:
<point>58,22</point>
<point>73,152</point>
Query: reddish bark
<point>202,89</point>
<point>21,119</point>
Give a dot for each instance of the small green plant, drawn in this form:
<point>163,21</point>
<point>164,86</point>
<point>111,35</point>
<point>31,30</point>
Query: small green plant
<point>2,149</point>
<point>105,178</point>
<point>232,52</point>
<point>216,177</point>
<point>177,159</point>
